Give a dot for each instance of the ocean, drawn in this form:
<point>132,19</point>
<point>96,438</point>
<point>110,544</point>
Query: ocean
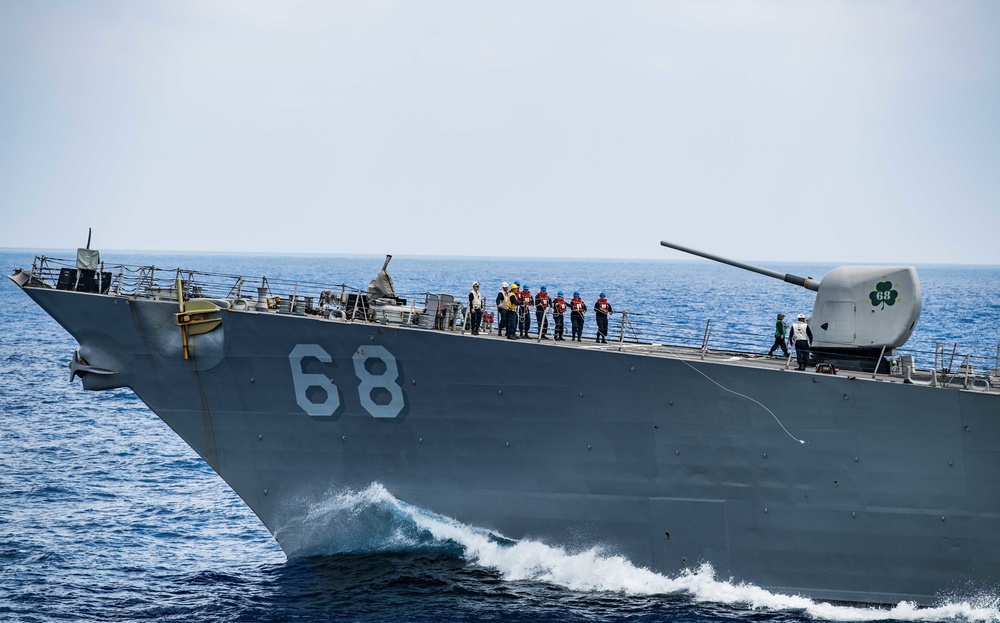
<point>106,515</point>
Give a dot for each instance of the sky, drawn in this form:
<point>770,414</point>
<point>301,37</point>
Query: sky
<point>855,132</point>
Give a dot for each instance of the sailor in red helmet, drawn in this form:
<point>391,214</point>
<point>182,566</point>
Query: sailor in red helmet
<point>542,303</point>
<point>577,309</point>
<point>602,309</point>
<point>559,307</point>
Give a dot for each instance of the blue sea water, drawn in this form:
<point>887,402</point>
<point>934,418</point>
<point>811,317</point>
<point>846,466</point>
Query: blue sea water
<point>105,515</point>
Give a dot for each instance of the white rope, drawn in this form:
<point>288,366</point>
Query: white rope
<point>747,397</point>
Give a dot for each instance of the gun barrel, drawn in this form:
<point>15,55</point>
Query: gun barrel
<point>805,282</point>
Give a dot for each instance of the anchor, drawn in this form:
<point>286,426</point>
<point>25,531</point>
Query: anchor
<point>195,317</point>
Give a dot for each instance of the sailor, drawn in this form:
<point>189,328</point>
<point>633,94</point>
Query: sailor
<point>542,302</point>
<point>513,302</point>
<point>577,309</point>
<point>602,309</point>
<point>779,337</point>
<point>524,311</point>
<point>803,339</point>
<point>476,307</point>
<point>559,307</point>
<point>502,308</point>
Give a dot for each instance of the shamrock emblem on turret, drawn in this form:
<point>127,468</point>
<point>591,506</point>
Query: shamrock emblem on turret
<point>883,294</point>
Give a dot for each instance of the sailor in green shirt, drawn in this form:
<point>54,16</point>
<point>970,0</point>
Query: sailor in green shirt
<point>779,337</point>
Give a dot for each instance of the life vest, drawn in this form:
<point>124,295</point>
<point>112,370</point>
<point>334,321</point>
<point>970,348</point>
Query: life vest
<point>578,305</point>
<point>603,306</point>
<point>512,299</point>
<point>542,300</point>
<point>477,299</point>
<point>502,298</point>
<point>526,299</point>
<point>799,331</point>
<point>559,305</point>
<point>779,328</point>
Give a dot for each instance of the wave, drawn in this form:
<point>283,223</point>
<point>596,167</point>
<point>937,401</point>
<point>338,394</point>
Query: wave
<point>373,520</point>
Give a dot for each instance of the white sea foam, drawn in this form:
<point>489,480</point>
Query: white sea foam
<point>346,521</point>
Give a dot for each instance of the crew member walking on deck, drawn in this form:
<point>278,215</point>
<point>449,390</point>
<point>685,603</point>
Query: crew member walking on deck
<point>502,308</point>
<point>513,302</point>
<point>779,337</point>
<point>602,309</point>
<point>803,338</point>
<point>577,309</point>
<point>527,302</point>
<point>475,307</point>
<point>559,307</point>
<point>542,303</point>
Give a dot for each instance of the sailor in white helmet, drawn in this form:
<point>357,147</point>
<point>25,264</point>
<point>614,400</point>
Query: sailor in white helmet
<point>475,307</point>
<point>802,337</point>
<point>502,308</point>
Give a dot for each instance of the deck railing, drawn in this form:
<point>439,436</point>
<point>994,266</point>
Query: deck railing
<point>708,336</point>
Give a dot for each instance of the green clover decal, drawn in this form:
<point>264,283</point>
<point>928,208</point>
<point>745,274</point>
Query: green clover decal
<point>883,295</point>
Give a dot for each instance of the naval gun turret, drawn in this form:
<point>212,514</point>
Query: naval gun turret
<point>861,314</point>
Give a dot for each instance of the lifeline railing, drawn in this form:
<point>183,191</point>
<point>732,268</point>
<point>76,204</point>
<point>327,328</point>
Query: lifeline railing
<point>626,327</point>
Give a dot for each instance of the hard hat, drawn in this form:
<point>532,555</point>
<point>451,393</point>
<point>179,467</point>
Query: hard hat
<point>505,284</point>
<point>524,287</point>
<point>517,283</point>
<point>514,287</point>
<point>542,288</point>
<point>475,284</point>
<point>576,294</point>
<point>802,316</point>
<point>602,295</point>
<point>559,293</point>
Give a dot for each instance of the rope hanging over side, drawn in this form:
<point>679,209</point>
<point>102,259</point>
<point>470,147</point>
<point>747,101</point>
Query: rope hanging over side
<point>747,397</point>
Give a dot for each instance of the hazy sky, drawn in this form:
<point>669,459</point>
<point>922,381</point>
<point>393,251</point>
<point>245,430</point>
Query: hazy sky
<point>813,131</point>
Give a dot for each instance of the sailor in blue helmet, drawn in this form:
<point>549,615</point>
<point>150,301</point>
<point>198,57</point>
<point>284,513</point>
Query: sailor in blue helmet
<point>527,303</point>
<point>559,307</point>
<point>542,302</point>
<point>577,309</point>
<point>602,308</point>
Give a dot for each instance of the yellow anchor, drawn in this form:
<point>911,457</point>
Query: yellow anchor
<point>194,317</point>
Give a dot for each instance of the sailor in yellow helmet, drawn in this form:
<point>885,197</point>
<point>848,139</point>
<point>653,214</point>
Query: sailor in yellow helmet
<point>513,300</point>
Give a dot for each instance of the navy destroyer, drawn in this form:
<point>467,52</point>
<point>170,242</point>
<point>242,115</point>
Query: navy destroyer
<point>670,455</point>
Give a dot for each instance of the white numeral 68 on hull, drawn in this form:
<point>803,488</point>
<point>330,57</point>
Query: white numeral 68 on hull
<point>387,381</point>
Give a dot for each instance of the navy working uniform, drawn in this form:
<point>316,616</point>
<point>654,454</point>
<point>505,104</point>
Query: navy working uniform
<point>803,338</point>
<point>513,301</point>
<point>542,303</point>
<point>577,309</point>
<point>502,308</point>
<point>527,302</point>
<point>559,307</point>
<point>779,337</point>
<point>602,308</point>
<point>475,307</point>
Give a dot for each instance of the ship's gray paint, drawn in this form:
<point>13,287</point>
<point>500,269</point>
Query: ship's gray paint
<point>892,497</point>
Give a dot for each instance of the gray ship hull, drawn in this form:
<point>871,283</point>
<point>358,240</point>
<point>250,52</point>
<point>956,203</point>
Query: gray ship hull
<point>664,459</point>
